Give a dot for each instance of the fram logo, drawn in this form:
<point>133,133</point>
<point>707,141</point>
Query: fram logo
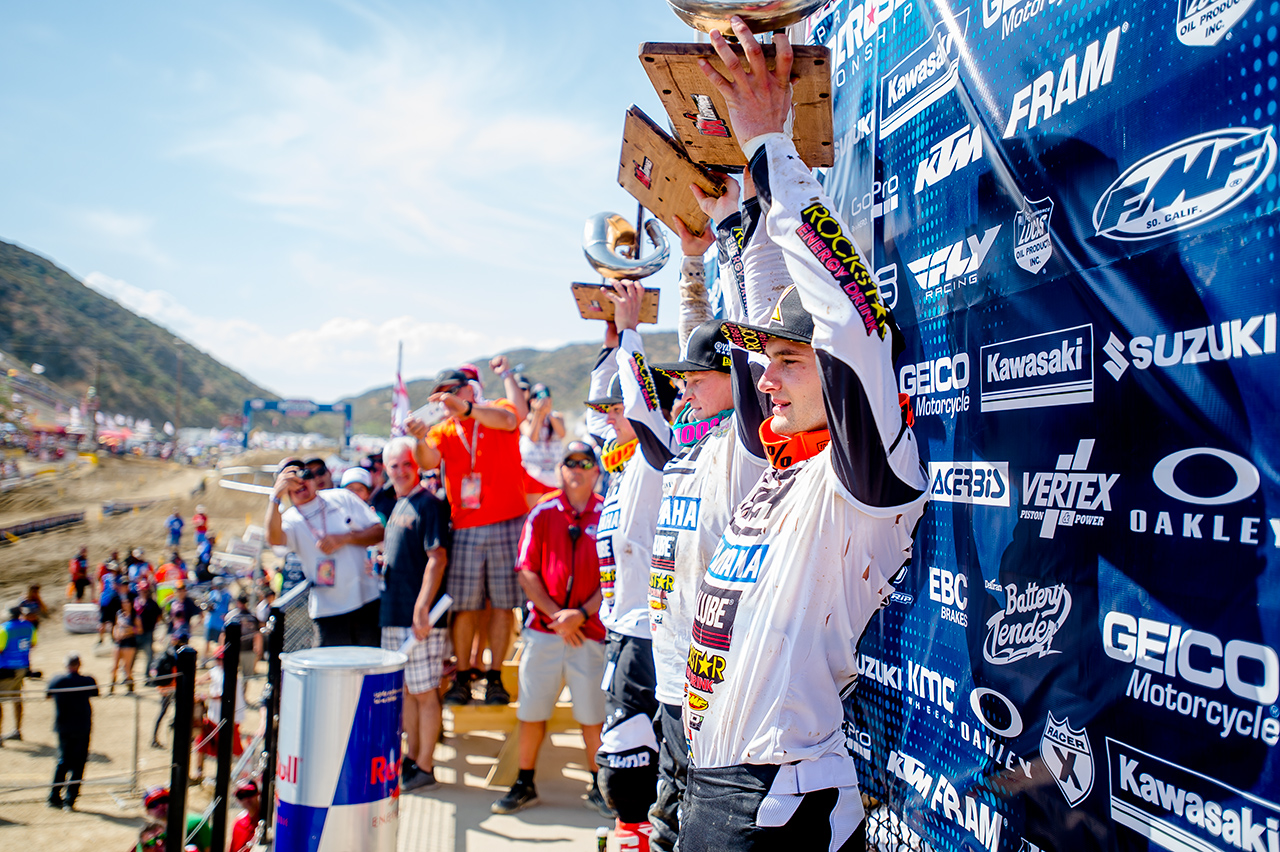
<point>1204,23</point>
<point>1186,184</point>
<point>1067,495</point>
<point>1226,340</point>
<point>706,120</point>
<point>1054,368</point>
<point>960,149</point>
<point>1032,243</point>
<point>953,266</point>
<point>1042,100</point>
<point>924,76</point>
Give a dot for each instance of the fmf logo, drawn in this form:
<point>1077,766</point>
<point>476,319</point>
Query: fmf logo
<point>706,120</point>
<point>822,234</point>
<point>1226,340</point>
<point>953,266</point>
<point>924,76</point>
<point>1054,368</point>
<point>1042,99</point>
<point>1204,23</point>
<point>947,374</point>
<point>1011,14</point>
<point>1186,184</point>
<point>1032,244</point>
<point>1063,496</point>
<point>977,482</point>
<point>960,149</point>
<point>644,172</point>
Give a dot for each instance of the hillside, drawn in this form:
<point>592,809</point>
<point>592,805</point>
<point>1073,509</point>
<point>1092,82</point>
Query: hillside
<point>567,371</point>
<point>47,316</point>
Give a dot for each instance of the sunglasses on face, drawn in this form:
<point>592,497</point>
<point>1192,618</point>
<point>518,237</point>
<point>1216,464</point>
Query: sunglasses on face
<point>579,464</point>
<point>448,388</point>
<point>304,473</point>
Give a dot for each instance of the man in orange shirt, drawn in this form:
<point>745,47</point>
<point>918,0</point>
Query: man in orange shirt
<point>478,448</point>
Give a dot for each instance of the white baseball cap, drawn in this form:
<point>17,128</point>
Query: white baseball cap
<point>356,474</point>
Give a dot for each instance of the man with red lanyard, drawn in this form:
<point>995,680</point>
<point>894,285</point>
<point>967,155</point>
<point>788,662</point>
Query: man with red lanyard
<point>479,450</point>
<point>329,534</point>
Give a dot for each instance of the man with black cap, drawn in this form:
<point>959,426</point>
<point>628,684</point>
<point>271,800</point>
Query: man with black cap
<point>478,449</point>
<point>812,552</point>
<point>73,722</point>
<point>329,533</point>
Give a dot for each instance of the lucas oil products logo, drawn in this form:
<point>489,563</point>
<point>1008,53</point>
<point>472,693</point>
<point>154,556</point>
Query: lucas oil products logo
<point>960,149</point>
<point>1204,23</point>
<point>1011,14</point>
<point>938,386</point>
<point>1068,495</point>
<point>1184,810</point>
<point>1049,93</point>
<point>1032,243</point>
<point>1186,184</point>
<point>1068,757</point>
<point>1227,340</point>
<point>954,266</point>
<point>1054,368</point>
<point>1028,624</point>
<point>977,482</point>
<point>924,76</point>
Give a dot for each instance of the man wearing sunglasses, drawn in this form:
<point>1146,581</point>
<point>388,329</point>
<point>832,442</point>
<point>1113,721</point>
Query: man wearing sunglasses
<point>478,449</point>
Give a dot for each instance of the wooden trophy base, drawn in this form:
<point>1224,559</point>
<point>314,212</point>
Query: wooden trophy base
<point>593,304</point>
<point>657,173</point>
<point>699,114</point>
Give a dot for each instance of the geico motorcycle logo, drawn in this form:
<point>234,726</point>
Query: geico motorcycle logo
<point>1221,342</point>
<point>1068,757</point>
<point>1043,99</point>
<point>1028,624</point>
<point>928,381</point>
<point>1185,809</point>
<point>951,590</point>
<point>970,813</point>
<point>960,149</point>
<point>1186,184</point>
<point>924,76</point>
<point>1053,368</point>
<point>1032,242</point>
<point>1067,495</point>
<point>977,482</point>
<point>1170,653</point>
<point>1011,14</point>
<point>1204,23</point>
<point>952,266</point>
<point>1211,489</point>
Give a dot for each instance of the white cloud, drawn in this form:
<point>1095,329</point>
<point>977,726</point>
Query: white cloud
<point>127,232</point>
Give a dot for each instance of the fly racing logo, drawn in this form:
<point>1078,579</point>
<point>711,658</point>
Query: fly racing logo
<point>960,149</point>
<point>924,76</point>
<point>1011,14</point>
<point>1227,340</point>
<point>1063,496</point>
<point>1054,368</point>
<point>1186,184</point>
<point>1032,244</point>
<point>1043,99</point>
<point>1204,23</point>
<point>953,266</point>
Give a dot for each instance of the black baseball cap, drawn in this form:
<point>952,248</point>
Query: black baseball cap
<point>790,321</point>
<point>612,396</point>
<point>448,378</point>
<point>292,461</point>
<point>578,448</point>
<point>707,350</point>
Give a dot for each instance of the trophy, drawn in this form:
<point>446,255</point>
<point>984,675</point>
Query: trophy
<point>698,113</point>
<point>613,248</point>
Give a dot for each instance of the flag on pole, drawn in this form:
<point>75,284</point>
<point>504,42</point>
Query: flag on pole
<point>399,402</point>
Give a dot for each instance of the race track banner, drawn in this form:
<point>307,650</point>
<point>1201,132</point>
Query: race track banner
<point>1071,209</point>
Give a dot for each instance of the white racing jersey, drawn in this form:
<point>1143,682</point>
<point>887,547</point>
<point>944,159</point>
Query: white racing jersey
<point>809,555</point>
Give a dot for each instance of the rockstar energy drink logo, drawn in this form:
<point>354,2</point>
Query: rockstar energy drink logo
<point>704,670</point>
<point>661,582</point>
<point>645,378</point>
<point>745,338</point>
<point>823,236</point>
<point>607,578</point>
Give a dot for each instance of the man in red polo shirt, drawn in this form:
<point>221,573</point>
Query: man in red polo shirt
<point>563,636</point>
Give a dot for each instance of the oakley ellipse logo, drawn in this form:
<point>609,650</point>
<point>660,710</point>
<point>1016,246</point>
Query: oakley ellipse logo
<point>1009,726</point>
<point>1247,477</point>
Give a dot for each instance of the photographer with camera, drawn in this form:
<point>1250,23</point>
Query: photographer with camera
<point>329,534</point>
<point>541,435</point>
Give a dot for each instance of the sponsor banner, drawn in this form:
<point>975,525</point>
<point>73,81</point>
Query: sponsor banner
<point>1053,368</point>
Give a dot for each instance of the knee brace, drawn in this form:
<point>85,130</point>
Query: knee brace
<point>628,761</point>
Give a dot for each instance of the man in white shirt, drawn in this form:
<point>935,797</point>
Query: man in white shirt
<point>329,531</point>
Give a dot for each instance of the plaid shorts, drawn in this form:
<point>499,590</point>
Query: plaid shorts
<point>482,563</point>
<point>426,658</point>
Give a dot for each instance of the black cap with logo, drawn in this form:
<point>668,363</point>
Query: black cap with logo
<point>790,321</point>
<point>612,396</point>
<point>449,378</point>
<point>707,350</point>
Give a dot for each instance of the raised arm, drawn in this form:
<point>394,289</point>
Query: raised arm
<point>639,393</point>
<point>606,367</point>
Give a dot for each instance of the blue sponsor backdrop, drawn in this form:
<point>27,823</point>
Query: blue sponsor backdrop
<point>1070,207</point>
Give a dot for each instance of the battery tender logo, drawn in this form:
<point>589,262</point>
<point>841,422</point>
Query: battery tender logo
<point>924,76</point>
<point>1186,184</point>
<point>1054,368</point>
<point>1028,623</point>
<point>1204,23</point>
<point>1032,245</point>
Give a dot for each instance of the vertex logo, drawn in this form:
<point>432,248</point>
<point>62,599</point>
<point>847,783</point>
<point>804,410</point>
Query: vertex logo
<point>1054,368</point>
<point>960,149</point>
<point>924,76</point>
<point>1063,496</point>
<point>953,266</point>
<point>1227,340</point>
<point>1042,99</point>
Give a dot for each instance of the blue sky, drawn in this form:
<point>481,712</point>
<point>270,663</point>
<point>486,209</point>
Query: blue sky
<point>295,186</point>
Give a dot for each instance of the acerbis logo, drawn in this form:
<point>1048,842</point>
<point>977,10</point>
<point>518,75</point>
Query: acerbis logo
<point>1224,341</point>
<point>1053,368</point>
<point>977,482</point>
<point>1042,100</point>
<point>1203,483</point>
<point>960,149</point>
<point>1032,243</point>
<point>952,266</point>
<point>1063,496</point>
<point>1011,14</point>
<point>1028,623</point>
<point>945,377</point>
<point>1186,184</point>
<point>924,76</point>
<point>1068,757</point>
<point>1204,23</point>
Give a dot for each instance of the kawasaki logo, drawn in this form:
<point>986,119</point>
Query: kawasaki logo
<point>1186,184</point>
<point>924,76</point>
<point>1227,340</point>
<point>960,149</point>
<point>1054,368</point>
<point>1042,100</point>
<point>1063,495</point>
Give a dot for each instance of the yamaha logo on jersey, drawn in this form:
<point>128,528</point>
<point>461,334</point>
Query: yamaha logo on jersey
<point>1186,184</point>
<point>1067,755</point>
<point>924,76</point>
<point>679,513</point>
<point>1204,23</point>
<point>1032,244</point>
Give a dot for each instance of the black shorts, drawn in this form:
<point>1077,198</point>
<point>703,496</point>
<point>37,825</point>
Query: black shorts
<point>358,627</point>
<point>127,642</point>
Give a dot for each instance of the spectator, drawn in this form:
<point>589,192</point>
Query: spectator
<point>149,615</point>
<point>125,632</point>
<point>108,572</point>
<point>246,825</point>
<point>17,637</point>
<point>33,605</point>
<point>383,496</point>
<point>564,639</point>
<point>217,606</point>
<point>173,570</point>
<point>73,721</point>
<point>479,446</point>
<point>156,804</point>
<point>330,533</point>
<point>358,481</point>
<point>250,635</point>
<point>138,569</point>
<point>166,676</point>
<point>204,557</point>
<point>200,523</point>
<point>417,532</point>
<point>319,472</point>
<point>542,437</point>
<point>182,610</point>
<point>113,589</point>
<point>263,610</point>
<point>80,573</point>
<point>174,525</point>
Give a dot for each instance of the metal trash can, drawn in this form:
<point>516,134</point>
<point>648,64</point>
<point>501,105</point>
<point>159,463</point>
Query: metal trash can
<point>338,766</point>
